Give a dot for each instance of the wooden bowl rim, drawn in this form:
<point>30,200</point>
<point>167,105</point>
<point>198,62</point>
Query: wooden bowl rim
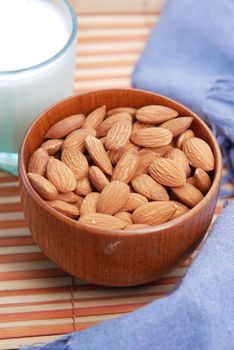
<point>122,233</point>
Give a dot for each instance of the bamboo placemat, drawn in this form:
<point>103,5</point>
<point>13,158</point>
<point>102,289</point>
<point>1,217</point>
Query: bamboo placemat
<point>38,301</point>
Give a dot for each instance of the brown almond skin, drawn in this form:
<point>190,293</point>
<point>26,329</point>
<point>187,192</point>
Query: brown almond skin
<point>89,204</point>
<point>69,197</point>
<point>183,138</point>
<point>83,187</point>
<point>98,154</point>
<point>188,194</point>
<point>126,167</point>
<point>190,180</point>
<point>177,126</point>
<point>76,161</point>
<point>103,220</point>
<point>124,215</point>
<point>181,209</point>
<point>134,201</point>
<point>146,158</point>
<point>113,197</point>
<point>202,180</point>
<point>119,134</point>
<point>148,187</point>
<point>167,172</point>
<point>52,146</point>
<point>155,114</point>
<point>38,161</point>
<point>43,187</point>
<point>76,139</point>
<point>115,155</point>
<point>151,137</point>
<point>139,125</point>
<point>199,154</point>
<point>95,118</point>
<point>105,126</point>
<point>117,110</point>
<point>154,213</point>
<point>65,126</point>
<point>64,208</point>
<point>98,178</point>
<point>180,158</point>
<point>60,176</point>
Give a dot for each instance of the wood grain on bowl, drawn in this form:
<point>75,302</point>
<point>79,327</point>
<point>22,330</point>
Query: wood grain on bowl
<point>104,255</point>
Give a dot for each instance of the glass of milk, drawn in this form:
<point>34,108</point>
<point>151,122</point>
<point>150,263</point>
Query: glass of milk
<point>37,59</point>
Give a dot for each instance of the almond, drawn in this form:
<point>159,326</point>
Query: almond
<point>65,126</point>
<point>65,208</point>
<point>94,119</point>
<point>190,180</point>
<point>60,176</point>
<point>83,187</point>
<point>145,185</point>
<point>151,137</point>
<point>115,155</point>
<point>98,154</point>
<point>126,167</point>
<point>146,158</point>
<point>79,201</point>
<point>177,126</point>
<point>119,134</point>
<point>180,158</point>
<point>38,161</point>
<point>134,201</point>
<point>113,197</point>
<point>89,203</point>
<point>76,139</point>
<point>42,186</point>
<point>105,126</point>
<point>139,125</point>
<point>161,150</point>
<point>202,180</point>
<point>188,194</point>
<point>103,220</point>
<point>69,197</point>
<point>98,178</point>
<point>199,154</point>
<point>181,209</point>
<point>154,213</point>
<point>52,146</point>
<point>76,161</point>
<point>134,227</point>
<point>184,137</point>
<point>125,216</point>
<point>167,172</point>
<point>155,114</point>
<point>128,110</point>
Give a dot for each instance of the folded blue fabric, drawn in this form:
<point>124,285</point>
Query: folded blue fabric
<point>198,315</point>
<point>190,58</point>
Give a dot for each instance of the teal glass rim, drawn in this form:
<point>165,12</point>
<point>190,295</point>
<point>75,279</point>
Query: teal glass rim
<point>59,53</point>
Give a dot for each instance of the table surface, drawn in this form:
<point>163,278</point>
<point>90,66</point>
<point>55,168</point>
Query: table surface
<point>38,301</point>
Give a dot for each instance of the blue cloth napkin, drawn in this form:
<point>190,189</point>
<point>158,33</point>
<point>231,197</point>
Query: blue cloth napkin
<point>190,58</point>
<point>198,315</point>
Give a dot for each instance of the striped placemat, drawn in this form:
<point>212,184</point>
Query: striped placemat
<point>38,301</point>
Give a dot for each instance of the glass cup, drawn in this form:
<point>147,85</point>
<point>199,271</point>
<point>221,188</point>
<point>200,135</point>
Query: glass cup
<point>25,93</point>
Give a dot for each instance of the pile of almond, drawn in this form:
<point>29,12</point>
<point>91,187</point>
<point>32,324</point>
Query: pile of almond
<point>122,168</point>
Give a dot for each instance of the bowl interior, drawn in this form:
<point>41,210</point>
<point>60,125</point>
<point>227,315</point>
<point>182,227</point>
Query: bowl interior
<point>87,102</point>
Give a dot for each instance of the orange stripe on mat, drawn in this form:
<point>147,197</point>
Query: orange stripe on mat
<point>22,258</point>
<point>9,191</point>
<point>26,292</point>
<point>8,178</point>
<point>13,224</point>
<point>15,332</point>
<point>16,241</point>
<point>25,275</point>
<point>35,315</point>
<point>10,207</point>
<point>107,310</point>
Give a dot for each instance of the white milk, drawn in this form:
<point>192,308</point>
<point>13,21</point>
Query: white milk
<point>32,32</point>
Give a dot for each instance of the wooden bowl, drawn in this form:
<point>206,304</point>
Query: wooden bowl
<point>104,256</point>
